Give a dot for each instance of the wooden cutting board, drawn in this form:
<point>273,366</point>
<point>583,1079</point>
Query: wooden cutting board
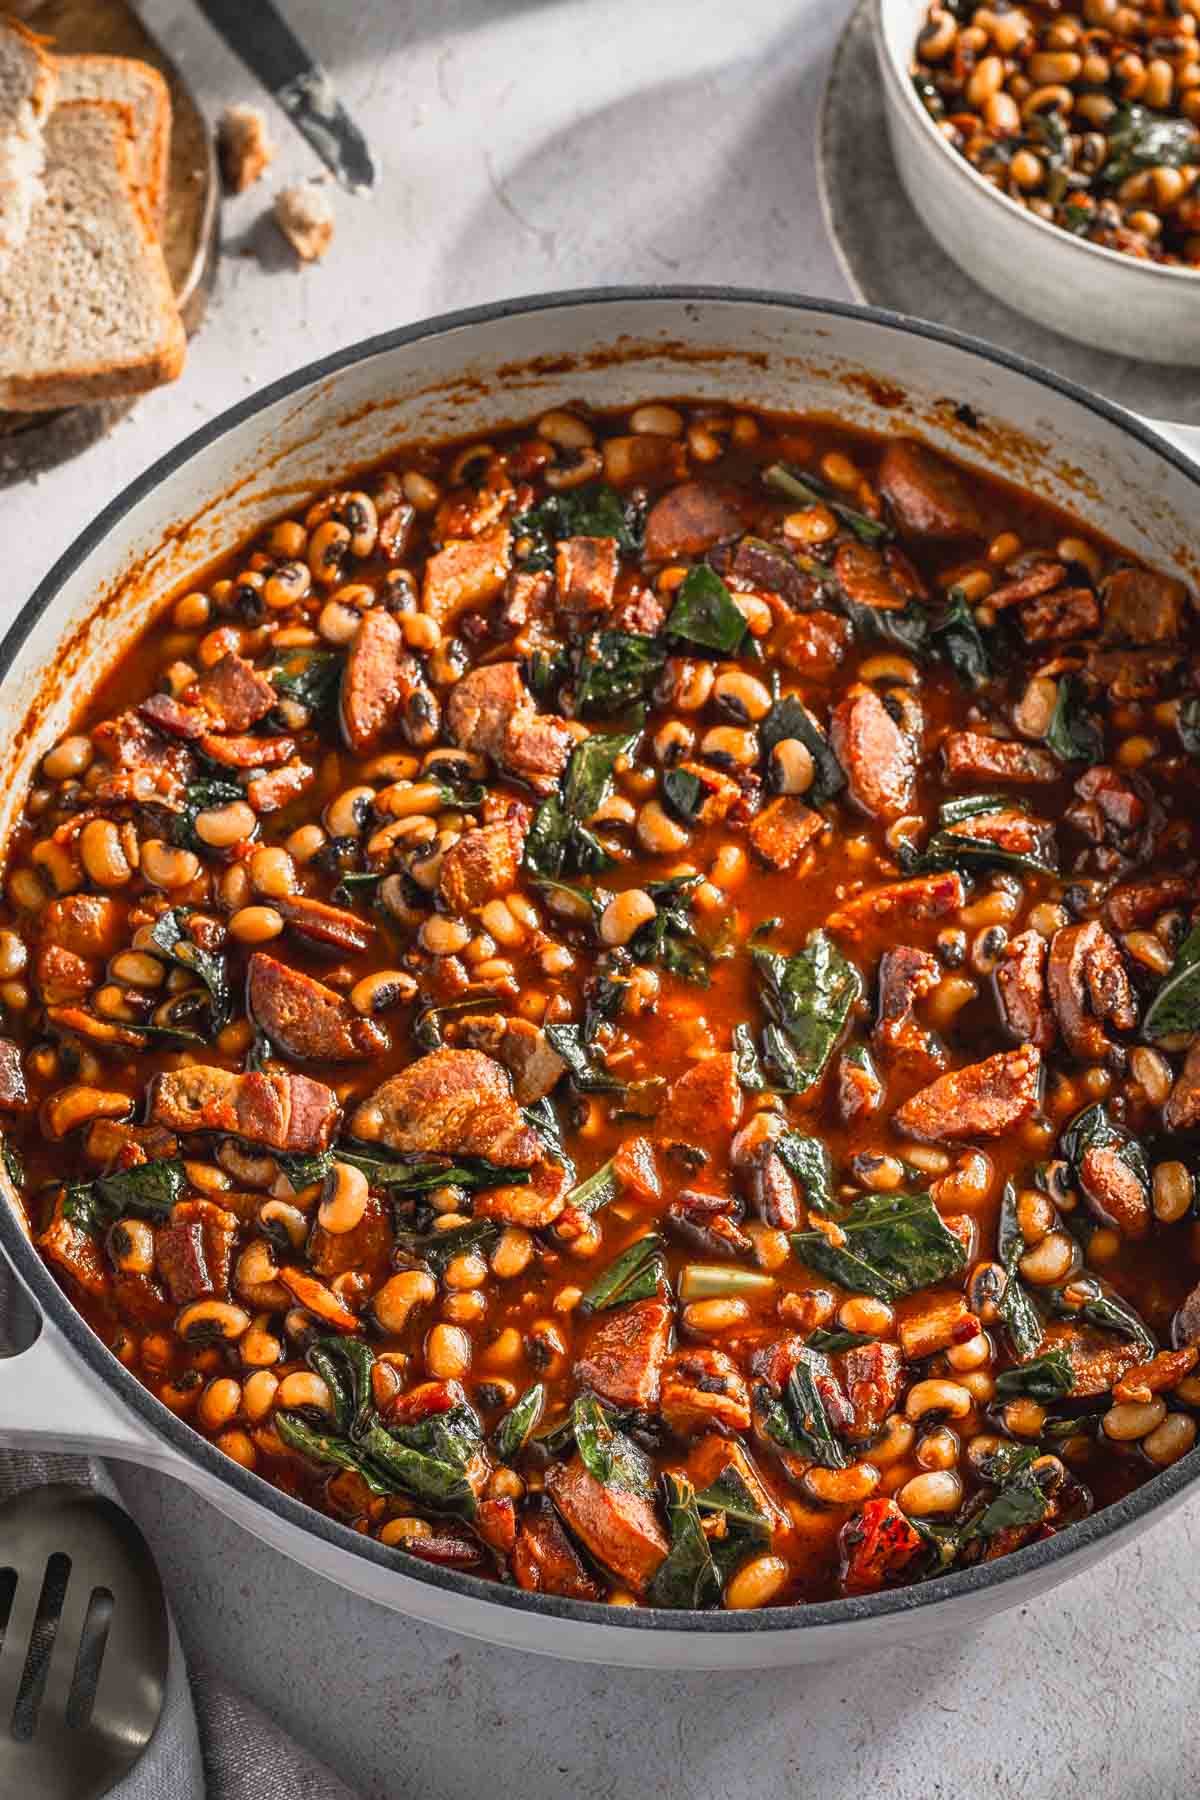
<point>32,442</point>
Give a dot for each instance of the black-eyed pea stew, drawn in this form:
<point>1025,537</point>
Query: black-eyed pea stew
<point>618,1008</point>
<point>1088,114</point>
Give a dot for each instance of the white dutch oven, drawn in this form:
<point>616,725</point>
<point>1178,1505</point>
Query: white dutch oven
<point>1097,296</point>
<point>469,373</point>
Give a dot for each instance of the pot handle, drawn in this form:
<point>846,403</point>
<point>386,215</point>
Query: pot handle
<point>1184,437</point>
<point>51,1402</point>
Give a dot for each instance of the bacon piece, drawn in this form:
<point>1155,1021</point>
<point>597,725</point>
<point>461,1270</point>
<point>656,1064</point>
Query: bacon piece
<point>876,1547</point>
<point>1039,576</point>
<point>866,578</point>
<point>14,1095</point>
<point>709,1222</point>
<point>783,831</point>
<point>188,722</point>
<point>277,788</point>
<point>248,752</point>
<point>1113,1192</point>
<point>324,925</point>
<point>544,1560</point>
<point>316,1298</point>
<point>522,1047</point>
<point>1066,613</point>
<point>450,1103</point>
<point>985,1099</point>
<point>1142,607</point>
<point>704,1102</point>
<point>368,1247</point>
<point>814,644</point>
<point>130,743</point>
<point>532,1205</point>
<point>933,1322</point>
<point>929,497</point>
<point>619,1528</point>
<point>483,865</point>
<point>1182,1110</point>
<point>704,1389</point>
<point>1141,902</point>
<point>1133,674</point>
<point>874,1374</point>
<point>491,711</point>
<point>1021,985</point>
<point>900,903</point>
<point>1087,983</point>
<point>465,574</point>
<point>586,573</point>
<point>75,1251</point>
<point>878,756</point>
<point>1098,1358</point>
<point>279,1111</point>
<point>194,1250</point>
<point>305,1019</point>
<point>906,976</point>
<point>635,1170</point>
<point>691,518</point>
<point>859,1089</point>
<point>234,693</point>
<point>972,756</point>
<point>1159,1375</point>
<point>623,1356</point>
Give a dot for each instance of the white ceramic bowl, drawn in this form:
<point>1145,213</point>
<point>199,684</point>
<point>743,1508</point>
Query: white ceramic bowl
<point>470,373</point>
<point>1097,296</point>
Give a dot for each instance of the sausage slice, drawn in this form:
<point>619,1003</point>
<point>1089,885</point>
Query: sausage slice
<point>619,1528</point>
<point>306,1019</point>
<point>928,496</point>
<point>279,1111</point>
<point>985,1099</point>
<point>450,1103</point>
<point>623,1357</point>
<point>878,756</point>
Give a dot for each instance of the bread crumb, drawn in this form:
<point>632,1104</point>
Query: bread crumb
<point>304,214</point>
<point>245,147</point>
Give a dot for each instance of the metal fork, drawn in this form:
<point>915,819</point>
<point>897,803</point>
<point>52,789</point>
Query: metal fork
<point>83,1644</point>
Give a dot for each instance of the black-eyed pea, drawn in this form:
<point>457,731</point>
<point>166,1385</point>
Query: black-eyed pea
<point>221,827</point>
<point>464,1308</point>
<point>512,1254</point>
<point>465,1271</point>
<point>842,1487</point>
<point>937,1398</point>
<point>398,1296</point>
<point>238,1447</point>
<point>974,1354</point>
<point>625,915</point>
<point>344,1199</point>
<point>657,832</point>
<point>272,872</point>
<point>1050,1261</point>
<point>791,769</point>
<point>1035,1215</point>
<point>895,1443</point>
<point>1130,1420</point>
<point>256,1277</point>
<point>69,759</point>
<point>1024,1417</point>
<point>131,1246</point>
<point>79,1104</point>
<point>757,1583</point>
<point>255,925</point>
<point>932,1494</point>
<point>447,1352</point>
<point>1174,1192</point>
<point>382,989</point>
<point>220,1403</point>
<point>980,1384</point>
<point>1170,1440</point>
<point>939,1448</point>
<point>304,1389</point>
<point>212,1322</point>
<point>706,1317</point>
<point>166,866</point>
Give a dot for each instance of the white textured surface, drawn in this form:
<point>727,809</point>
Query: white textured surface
<point>556,145</point>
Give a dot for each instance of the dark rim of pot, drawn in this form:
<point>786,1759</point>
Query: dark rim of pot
<point>1032,1561</point>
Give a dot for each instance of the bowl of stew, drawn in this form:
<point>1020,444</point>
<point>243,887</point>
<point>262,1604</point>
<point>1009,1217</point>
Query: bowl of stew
<point>1053,155</point>
<point>599,976</point>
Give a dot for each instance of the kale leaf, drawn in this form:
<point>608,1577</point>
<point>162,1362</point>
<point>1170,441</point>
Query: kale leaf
<point>893,1244</point>
<point>687,1577</point>
<point>596,510</point>
<point>606,1452</point>
<point>957,637</point>
<point>519,1422</point>
<point>790,718</point>
<point>798,1421</point>
<point>149,1191</point>
<point>808,998</point>
<point>639,1273</point>
<point>704,615</point>
<point>1016,1309</point>
<point>615,670</point>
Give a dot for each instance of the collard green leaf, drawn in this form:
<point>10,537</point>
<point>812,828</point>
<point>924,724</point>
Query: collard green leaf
<point>906,627</point>
<point>746,1527</point>
<point>586,1069</point>
<point>894,1244</point>
<point>790,718</point>
<point>687,1577</point>
<point>957,638</point>
<point>14,1162</point>
<point>1016,1309</point>
<point>197,797</point>
<point>798,1421</point>
<point>596,510</point>
<point>955,849</point>
<point>704,615</point>
<point>588,780</point>
<point>327,1448</point>
<point>683,794</point>
<point>670,939</point>
<point>596,1191</point>
<point>1107,1310</point>
<point>809,1161</point>
<point>1073,734</point>
<point>414,1175</point>
<point>615,670</point>
<point>808,996</point>
<point>1046,1377</point>
<point>545,1121</point>
<point>747,1062</point>
<point>439,1481</point>
<point>638,1273</point>
<point>344,1365</point>
<point>612,1458</point>
<point>559,841</point>
<point>830,1342</point>
<point>1176,1006</point>
<point>1141,139</point>
<point>148,1191</point>
<point>439,1248</point>
<point>519,1423</point>
<point>812,491</point>
<point>169,937</point>
<point>309,677</point>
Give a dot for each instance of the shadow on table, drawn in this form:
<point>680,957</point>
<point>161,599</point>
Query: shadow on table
<point>706,165</point>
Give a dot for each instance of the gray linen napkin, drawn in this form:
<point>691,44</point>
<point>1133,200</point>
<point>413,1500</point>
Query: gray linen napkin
<point>211,1743</point>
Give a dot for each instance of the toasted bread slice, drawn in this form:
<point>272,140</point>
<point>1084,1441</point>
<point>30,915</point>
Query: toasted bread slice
<point>27,90</point>
<point>87,312</point>
<point>143,90</point>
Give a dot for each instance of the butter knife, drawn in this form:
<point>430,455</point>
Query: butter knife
<point>267,45</point>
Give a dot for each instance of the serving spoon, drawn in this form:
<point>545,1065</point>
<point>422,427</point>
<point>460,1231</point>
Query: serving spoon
<point>83,1644</point>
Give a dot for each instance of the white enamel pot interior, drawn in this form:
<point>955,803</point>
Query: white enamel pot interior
<point>1097,296</point>
<point>470,373</point>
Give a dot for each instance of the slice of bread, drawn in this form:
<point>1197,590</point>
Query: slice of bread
<point>27,88</point>
<point>143,90</point>
<point>87,311</point>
